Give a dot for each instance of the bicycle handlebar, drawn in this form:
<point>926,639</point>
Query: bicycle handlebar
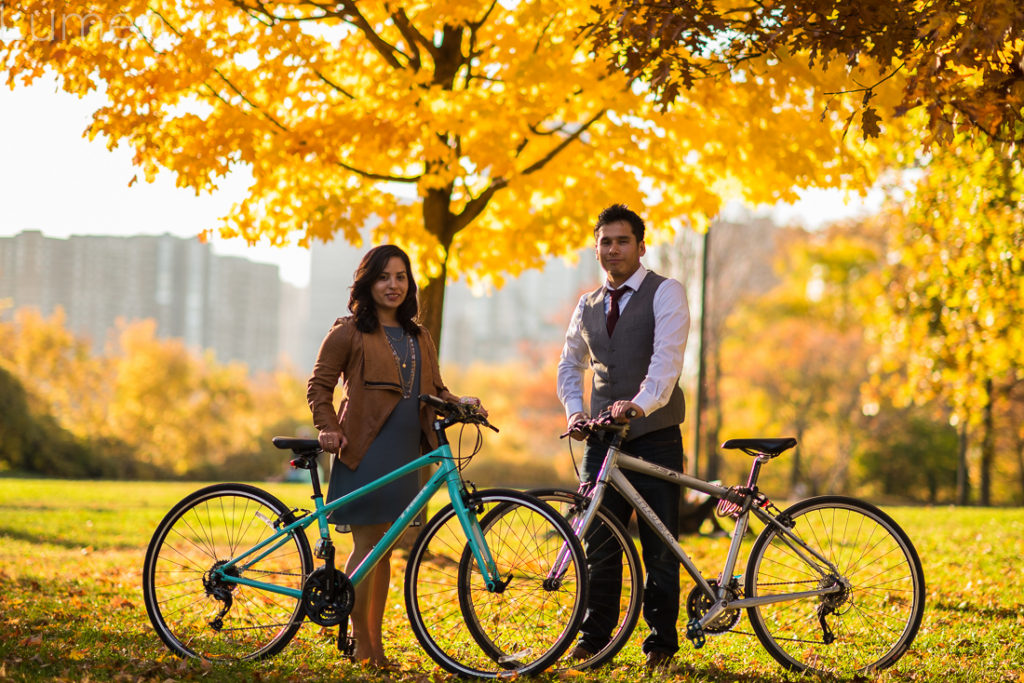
<point>457,412</point>
<point>604,422</point>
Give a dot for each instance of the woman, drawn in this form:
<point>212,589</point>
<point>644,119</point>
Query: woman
<point>386,360</point>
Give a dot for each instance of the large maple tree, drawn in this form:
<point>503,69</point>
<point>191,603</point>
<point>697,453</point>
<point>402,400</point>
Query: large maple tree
<point>507,134</point>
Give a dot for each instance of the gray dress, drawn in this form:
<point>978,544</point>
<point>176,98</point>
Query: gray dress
<point>397,444</point>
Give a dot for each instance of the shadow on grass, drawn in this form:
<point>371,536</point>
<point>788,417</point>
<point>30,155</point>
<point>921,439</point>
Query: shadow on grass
<point>1011,612</point>
<point>67,543</point>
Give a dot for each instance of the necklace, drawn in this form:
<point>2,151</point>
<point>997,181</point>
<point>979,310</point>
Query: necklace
<point>403,359</point>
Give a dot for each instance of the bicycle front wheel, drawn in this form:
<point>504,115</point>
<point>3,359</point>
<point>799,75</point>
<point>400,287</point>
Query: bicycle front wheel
<point>864,626</point>
<point>198,615</point>
<point>526,624</point>
<point>616,578</point>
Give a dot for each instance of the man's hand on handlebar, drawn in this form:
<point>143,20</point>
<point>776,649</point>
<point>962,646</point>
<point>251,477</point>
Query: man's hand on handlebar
<point>614,418</point>
<point>575,420</point>
<point>623,411</point>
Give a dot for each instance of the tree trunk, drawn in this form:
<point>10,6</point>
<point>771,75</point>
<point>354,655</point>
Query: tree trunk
<point>432,305</point>
<point>794,472</point>
<point>1020,467</point>
<point>988,448</point>
<point>963,475</point>
<point>438,220</point>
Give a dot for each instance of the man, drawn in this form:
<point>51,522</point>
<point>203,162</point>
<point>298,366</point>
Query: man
<point>632,331</point>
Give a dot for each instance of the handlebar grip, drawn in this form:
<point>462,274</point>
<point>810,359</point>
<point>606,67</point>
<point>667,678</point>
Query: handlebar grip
<point>462,412</point>
<point>433,401</point>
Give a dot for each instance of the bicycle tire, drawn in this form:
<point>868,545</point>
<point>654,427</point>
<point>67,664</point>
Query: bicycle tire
<point>874,619</point>
<point>187,608</point>
<point>451,610</point>
<point>606,533</point>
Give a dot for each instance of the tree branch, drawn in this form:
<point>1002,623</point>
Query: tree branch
<point>332,84</point>
<point>379,176</point>
<point>413,37</point>
<point>535,129</point>
<point>543,161</point>
<point>475,206</point>
<point>260,8</point>
<point>225,79</point>
<point>350,14</point>
<point>867,88</point>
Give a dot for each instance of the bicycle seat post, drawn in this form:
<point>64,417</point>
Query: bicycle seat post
<point>309,461</point>
<point>755,470</point>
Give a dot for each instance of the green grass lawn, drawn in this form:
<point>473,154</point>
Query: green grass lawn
<point>71,605</point>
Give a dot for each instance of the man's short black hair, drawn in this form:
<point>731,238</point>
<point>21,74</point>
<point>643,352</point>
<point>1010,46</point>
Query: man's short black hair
<point>621,212</point>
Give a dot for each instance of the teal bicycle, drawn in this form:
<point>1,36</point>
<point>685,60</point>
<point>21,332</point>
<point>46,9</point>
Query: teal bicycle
<point>229,572</point>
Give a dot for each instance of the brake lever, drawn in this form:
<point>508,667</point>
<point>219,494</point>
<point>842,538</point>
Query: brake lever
<point>471,413</point>
<point>479,418</point>
<point>578,425</point>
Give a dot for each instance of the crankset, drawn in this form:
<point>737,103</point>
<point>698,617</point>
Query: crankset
<point>327,596</point>
<point>698,603</point>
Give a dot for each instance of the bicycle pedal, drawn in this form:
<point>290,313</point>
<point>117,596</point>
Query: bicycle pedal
<point>695,633</point>
<point>347,646</point>
<point>346,643</point>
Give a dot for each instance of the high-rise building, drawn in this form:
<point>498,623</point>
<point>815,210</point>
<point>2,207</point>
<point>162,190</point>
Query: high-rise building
<point>242,311</point>
<point>227,304</point>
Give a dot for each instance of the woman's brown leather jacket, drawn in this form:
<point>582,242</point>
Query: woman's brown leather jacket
<point>371,384</point>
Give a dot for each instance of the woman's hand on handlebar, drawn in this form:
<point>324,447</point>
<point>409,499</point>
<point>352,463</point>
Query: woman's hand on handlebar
<point>332,440</point>
<point>471,401</point>
<point>467,409</point>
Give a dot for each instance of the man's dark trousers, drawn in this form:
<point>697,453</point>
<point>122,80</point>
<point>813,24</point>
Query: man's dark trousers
<point>661,587</point>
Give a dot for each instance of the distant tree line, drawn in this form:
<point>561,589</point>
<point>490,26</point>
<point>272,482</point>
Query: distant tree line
<point>146,408</point>
<point>900,381</point>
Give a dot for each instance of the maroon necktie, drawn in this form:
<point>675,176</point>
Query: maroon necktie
<point>613,310</point>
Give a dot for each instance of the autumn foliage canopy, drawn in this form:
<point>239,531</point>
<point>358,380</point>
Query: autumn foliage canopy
<point>485,137</point>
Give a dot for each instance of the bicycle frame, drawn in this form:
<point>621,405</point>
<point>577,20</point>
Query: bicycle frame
<point>611,474</point>
<point>447,474</point>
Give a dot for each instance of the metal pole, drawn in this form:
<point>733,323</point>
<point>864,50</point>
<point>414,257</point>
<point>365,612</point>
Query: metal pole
<point>701,361</point>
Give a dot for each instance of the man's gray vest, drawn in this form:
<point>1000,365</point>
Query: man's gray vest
<point>620,362</point>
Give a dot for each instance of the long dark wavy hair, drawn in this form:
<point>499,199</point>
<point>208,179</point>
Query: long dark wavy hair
<point>360,301</point>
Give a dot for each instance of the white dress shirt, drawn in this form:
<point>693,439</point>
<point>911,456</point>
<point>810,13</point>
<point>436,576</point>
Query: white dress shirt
<point>671,327</point>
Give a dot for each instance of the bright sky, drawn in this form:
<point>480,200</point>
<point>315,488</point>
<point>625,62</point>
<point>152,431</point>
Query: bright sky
<point>54,180</point>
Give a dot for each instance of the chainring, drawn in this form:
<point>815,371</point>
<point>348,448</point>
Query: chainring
<point>698,604</point>
<point>327,596</point>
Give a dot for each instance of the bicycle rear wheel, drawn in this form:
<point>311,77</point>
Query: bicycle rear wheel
<point>612,558</point>
<point>874,616</point>
<point>520,629</point>
<point>197,615</point>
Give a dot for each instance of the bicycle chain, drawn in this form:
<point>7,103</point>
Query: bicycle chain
<point>792,640</point>
<point>271,571</point>
<point>253,628</point>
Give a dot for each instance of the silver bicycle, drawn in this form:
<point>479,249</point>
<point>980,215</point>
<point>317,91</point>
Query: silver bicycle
<point>832,583</point>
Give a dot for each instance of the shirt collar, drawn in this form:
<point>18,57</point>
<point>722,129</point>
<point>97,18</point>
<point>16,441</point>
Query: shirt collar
<point>633,282</point>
